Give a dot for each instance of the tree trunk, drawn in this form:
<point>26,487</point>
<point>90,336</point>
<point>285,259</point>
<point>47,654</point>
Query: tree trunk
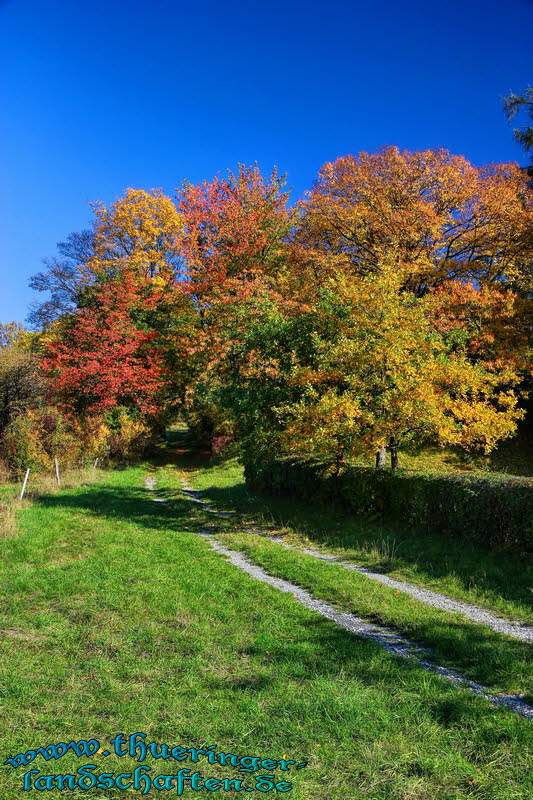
<point>339,462</point>
<point>393,447</point>
<point>381,458</point>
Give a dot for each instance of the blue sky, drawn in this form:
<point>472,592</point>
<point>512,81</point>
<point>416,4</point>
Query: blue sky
<point>98,96</point>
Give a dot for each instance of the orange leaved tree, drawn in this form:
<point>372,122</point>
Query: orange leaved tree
<point>430,215</point>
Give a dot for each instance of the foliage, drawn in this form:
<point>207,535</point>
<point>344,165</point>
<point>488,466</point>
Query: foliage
<point>234,227</point>
<point>62,279</point>
<point>21,383</point>
<point>453,504</point>
<point>488,324</point>
<point>139,235</point>
<point>128,436</point>
<point>204,414</point>
<point>33,439</point>
<point>120,345</point>
<point>367,363</point>
<point>222,448</point>
<point>431,215</point>
<point>14,334</point>
<point>393,304</point>
<point>235,240</point>
<point>103,357</point>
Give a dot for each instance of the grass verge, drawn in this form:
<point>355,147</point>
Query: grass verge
<point>499,662</point>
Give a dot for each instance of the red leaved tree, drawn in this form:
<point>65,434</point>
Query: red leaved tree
<point>102,357</point>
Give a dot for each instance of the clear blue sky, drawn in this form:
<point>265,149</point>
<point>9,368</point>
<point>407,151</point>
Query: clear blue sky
<point>100,95</point>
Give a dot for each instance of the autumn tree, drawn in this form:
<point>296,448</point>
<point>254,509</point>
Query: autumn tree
<point>61,279</point>
<point>127,274</point>
<point>141,236</point>
<point>392,305</point>
<point>22,385</point>
<point>234,226</point>
<point>101,358</point>
<point>235,232</point>
<point>490,325</point>
<point>431,215</point>
<point>139,233</point>
<point>364,369</point>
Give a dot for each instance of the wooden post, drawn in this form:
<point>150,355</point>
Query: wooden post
<point>95,463</point>
<point>57,472</point>
<point>24,484</point>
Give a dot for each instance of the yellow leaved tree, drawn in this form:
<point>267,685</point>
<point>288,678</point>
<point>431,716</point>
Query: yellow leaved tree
<point>366,369</point>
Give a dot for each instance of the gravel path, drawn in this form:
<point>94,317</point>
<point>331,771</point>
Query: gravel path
<point>518,630</point>
<point>379,634</point>
<point>515,629</point>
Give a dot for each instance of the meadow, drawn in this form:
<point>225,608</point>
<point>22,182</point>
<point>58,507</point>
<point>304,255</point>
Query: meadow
<point>118,617</point>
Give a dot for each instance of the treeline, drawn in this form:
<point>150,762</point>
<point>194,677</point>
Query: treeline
<point>393,304</point>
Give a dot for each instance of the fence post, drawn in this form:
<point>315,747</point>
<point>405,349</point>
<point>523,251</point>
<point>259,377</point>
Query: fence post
<point>57,472</point>
<point>95,463</point>
<point>24,484</point>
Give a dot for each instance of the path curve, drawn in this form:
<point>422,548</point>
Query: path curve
<point>385,637</point>
<point>509,627</point>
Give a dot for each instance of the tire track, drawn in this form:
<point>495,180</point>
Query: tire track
<point>382,636</point>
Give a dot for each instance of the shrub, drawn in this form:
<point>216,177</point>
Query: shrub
<point>5,472</point>
<point>492,510</point>
<point>223,447</point>
<point>129,436</point>
<point>37,436</point>
<point>26,443</point>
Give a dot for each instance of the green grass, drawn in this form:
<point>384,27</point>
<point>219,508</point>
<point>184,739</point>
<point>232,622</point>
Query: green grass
<point>116,617</point>
<point>499,662</point>
<point>500,582</point>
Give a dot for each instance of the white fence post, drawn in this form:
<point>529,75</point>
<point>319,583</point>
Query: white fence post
<point>24,484</point>
<point>57,472</point>
<point>95,463</point>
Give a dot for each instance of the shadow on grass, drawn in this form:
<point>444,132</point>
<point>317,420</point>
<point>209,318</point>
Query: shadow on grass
<point>484,655</point>
<point>253,644</point>
<point>387,546</point>
<point>271,665</point>
<point>383,545</point>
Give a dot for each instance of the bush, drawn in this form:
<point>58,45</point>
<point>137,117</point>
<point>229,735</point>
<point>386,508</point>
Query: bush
<point>27,443</point>
<point>495,511</point>
<point>129,436</point>
<point>37,436</point>
<point>5,472</point>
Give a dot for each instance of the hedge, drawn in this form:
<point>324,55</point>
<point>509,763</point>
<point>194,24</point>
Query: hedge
<point>492,510</point>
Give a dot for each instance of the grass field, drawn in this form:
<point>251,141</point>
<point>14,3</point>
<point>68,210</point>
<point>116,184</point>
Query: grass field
<point>116,618</point>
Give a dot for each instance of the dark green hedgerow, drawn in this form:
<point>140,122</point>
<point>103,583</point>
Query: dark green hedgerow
<point>495,511</point>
